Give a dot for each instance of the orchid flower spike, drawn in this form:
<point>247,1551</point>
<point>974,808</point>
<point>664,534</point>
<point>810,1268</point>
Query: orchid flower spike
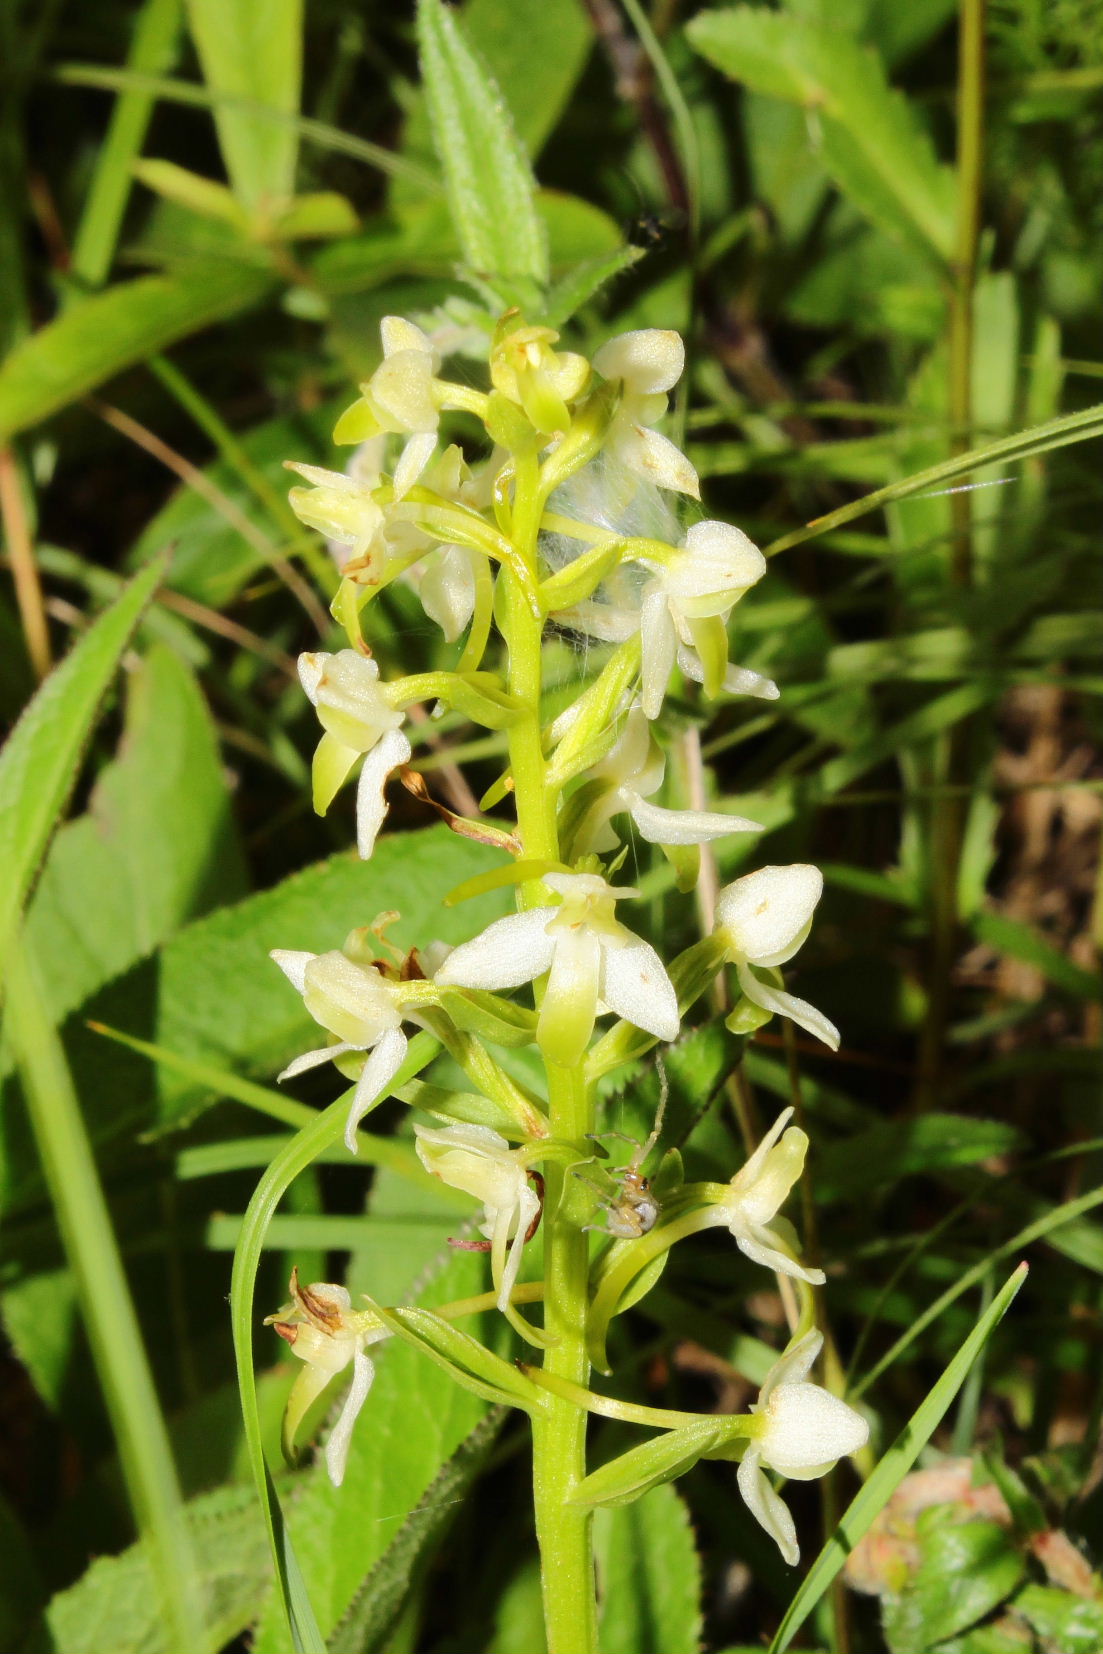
<point>758,1192</point>
<point>803,1431</point>
<point>481,1163</point>
<point>399,397</point>
<point>763,918</point>
<point>343,508</point>
<point>595,965</point>
<point>362,1009</point>
<point>326,1333</point>
<point>648,363</point>
<point>684,614</point>
<point>446,577</point>
<point>358,719</point>
<point>623,783</point>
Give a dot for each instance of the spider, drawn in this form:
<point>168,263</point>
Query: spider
<point>634,1210</point>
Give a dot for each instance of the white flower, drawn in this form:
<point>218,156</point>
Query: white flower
<point>446,576</point>
<point>594,963</point>
<point>758,1192</point>
<point>685,609</point>
<point>481,1163</point>
<point>633,771</point>
<point>648,363</point>
<point>764,917</point>
<point>358,1005</point>
<point>326,1333</point>
<point>342,508</point>
<point>804,1431</point>
<point>358,720</point>
<point>399,397</point>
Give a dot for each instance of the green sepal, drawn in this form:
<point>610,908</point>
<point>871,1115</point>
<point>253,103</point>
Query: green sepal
<point>580,578</point>
<point>584,440</point>
<point>355,425</point>
<point>472,1366</point>
<point>329,770</point>
<point>710,639</point>
<point>629,1477</point>
<point>485,1014</point>
<point>746,1017</point>
<point>685,859</point>
<point>470,1107</point>
<point>597,1327</point>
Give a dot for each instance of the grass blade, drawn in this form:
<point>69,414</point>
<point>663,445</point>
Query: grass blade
<point>40,761</point>
<point>893,1467</point>
<point>253,49</point>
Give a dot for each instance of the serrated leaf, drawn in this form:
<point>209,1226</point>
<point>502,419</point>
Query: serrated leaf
<point>488,180</point>
<point>649,1577</point>
<point>251,52</point>
<point>117,1605</point>
<point>371,1616</point>
<point>873,144</point>
<point>98,337</point>
<point>40,760</point>
<point>1068,1624</point>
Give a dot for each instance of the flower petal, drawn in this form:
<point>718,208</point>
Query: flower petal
<point>509,952</point>
<point>337,1447</point>
<point>754,1244</point>
<point>659,826</point>
<point>768,913</point>
<point>293,963</point>
<point>784,1004</point>
<point>656,458</point>
<point>740,680</point>
<point>634,985</point>
<point>658,646</point>
<point>371,806</point>
<point>374,1083</point>
<point>332,762</point>
<point>399,334</point>
<point>315,1059</point>
<point>793,1365</point>
<point>649,360</point>
<point>766,1506</point>
<point>412,462</point>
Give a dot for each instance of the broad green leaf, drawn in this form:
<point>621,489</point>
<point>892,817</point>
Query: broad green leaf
<point>252,49</point>
<point>872,144</point>
<point>98,337</point>
<point>487,175</point>
<point>966,1569</point>
<point>649,1577</point>
<point>371,1616</point>
<point>115,1604</point>
<point>156,847</point>
<point>414,1420</point>
<point>906,1148</point>
<point>893,1467</point>
<point>40,761</point>
<point>1068,1624</point>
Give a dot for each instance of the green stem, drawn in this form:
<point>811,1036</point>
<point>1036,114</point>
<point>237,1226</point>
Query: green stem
<point>563,1531</point>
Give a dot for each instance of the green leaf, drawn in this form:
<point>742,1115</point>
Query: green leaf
<point>893,1467</point>
<point>649,1577</point>
<point>905,1148</point>
<point>99,337</point>
<point>156,848</point>
<point>116,1605</point>
<point>489,183</point>
<point>652,1464</point>
<point>371,1616</point>
<point>873,145</point>
<point>252,49</point>
<point>579,285</point>
<point>966,1569</point>
<point>1020,941</point>
<point>40,761</point>
<point>1068,1624</point>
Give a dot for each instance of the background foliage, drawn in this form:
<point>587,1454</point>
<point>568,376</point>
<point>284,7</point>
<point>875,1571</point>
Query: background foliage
<point>204,212</point>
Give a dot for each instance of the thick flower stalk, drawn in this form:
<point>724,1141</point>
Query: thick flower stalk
<point>538,531</point>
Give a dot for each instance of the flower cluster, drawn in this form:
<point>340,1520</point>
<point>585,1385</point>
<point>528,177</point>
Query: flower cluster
<point>561,524</point>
